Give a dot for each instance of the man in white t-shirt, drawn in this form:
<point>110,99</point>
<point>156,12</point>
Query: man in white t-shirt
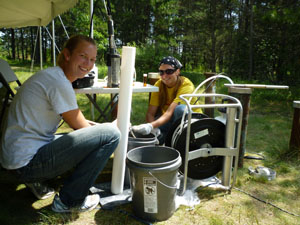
<point>32,149</point>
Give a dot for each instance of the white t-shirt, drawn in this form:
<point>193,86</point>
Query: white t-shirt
<point>34,116</point>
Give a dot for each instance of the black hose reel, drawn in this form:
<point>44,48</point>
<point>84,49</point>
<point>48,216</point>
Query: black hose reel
<point>205,132</point>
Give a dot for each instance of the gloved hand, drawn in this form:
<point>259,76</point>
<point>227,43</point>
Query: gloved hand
<point>143,129</point>
<point>156,132</point>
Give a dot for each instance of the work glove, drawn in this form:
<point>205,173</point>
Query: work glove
<point>143,129</point>
<point>156,132</point>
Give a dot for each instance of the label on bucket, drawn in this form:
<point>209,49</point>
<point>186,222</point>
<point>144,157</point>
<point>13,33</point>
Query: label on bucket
<point>150,195</point>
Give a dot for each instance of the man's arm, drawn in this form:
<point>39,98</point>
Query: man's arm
<point>75,119</point>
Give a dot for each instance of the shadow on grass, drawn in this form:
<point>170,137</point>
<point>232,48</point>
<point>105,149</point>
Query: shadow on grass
<point>118,215</point>
<point>19,206</point>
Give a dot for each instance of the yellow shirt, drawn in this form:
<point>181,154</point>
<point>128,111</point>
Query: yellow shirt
<point>187,87</point>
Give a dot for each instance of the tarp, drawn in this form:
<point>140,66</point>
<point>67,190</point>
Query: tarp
<point>23,13</point>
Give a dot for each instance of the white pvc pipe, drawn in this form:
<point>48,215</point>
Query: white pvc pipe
<point>123,118</point>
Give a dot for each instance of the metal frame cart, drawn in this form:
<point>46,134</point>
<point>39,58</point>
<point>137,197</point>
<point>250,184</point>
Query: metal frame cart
<point>230,151</point>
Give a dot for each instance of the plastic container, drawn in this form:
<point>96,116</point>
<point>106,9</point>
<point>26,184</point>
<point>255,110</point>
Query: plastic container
<point>153,77</point>
<point>153,179</point>
<point>138,141</point>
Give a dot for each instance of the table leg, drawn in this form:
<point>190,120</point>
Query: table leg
<point>102,113</point>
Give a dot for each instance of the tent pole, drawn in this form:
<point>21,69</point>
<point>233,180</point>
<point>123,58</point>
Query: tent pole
<point>48,32</point>
<point>92,36</point>
<point>63,26</point>
<point>33,55</point>
<point>53,43</point>
<point>91,14</point>
<point>41,52</point>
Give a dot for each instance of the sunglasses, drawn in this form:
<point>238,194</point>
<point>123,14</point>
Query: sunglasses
<point>167,71</point>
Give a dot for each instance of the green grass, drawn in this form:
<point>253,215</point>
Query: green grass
<point>268,133</point>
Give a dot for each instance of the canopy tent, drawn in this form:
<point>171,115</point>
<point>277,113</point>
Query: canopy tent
<point>20,13</point>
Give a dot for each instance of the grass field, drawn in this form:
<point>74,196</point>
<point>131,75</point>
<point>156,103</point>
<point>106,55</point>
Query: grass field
<point>253,201</point>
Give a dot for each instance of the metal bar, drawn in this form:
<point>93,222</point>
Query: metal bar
<point>41,50</point>
<point>53,40</point>
<point>34,49</point>
<point>229,143</point>
<point>206,152</point>
<point>237,144</point>
<point>63,26</point>
<point>113,104</point>
<point>53,43</point>
<point>96,106</point>
<point>212,78</point>
<point>187,148</point>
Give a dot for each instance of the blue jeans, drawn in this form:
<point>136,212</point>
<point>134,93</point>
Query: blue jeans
<point>87,150</point>
<point>164,129</point>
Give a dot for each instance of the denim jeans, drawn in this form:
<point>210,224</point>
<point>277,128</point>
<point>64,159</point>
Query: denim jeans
<point>178,112</point>
<point>87,150</point>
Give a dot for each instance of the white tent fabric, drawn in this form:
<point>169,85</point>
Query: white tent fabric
<point>23,13</point>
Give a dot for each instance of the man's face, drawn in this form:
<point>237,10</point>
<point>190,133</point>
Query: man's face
<point>81,60</point>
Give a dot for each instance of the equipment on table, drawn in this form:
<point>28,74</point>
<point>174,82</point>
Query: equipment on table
<point>86,81</point>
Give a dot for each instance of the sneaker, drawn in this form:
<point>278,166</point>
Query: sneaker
<point>90,202</point>
<point>41,191</point>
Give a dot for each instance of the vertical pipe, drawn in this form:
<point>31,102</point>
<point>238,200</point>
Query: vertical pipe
<point>41,50</point>
<point>210,89</point>
<point>92,36</point>
<point>187,149</point>
<point>295,133</point>
<point>123,119</point>
<point>53,43</point>
<point>242,94</point>
<point>92,22</point>
<point>229,143</point>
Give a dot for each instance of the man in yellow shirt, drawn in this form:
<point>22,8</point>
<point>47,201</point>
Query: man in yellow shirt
<point>165,106</point>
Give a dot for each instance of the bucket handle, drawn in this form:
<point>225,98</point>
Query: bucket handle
<point>167,186</point>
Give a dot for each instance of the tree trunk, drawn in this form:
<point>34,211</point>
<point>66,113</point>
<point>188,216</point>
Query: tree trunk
<point>31,43</point>
<point>22,45</point>
<point>13,44</point>
<point>250,75</point>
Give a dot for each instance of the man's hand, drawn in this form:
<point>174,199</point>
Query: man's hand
<point>143,129</point>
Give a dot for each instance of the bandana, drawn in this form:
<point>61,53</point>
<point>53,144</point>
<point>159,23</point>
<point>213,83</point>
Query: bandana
<point>171,61</point>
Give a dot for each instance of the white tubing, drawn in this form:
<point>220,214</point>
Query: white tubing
<point>123,118</point>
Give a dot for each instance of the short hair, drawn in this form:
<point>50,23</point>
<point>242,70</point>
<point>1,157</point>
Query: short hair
<point>72,43</point>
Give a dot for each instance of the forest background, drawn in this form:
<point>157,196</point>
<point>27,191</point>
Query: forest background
<point>256,41</point>
<point>250,41</point>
